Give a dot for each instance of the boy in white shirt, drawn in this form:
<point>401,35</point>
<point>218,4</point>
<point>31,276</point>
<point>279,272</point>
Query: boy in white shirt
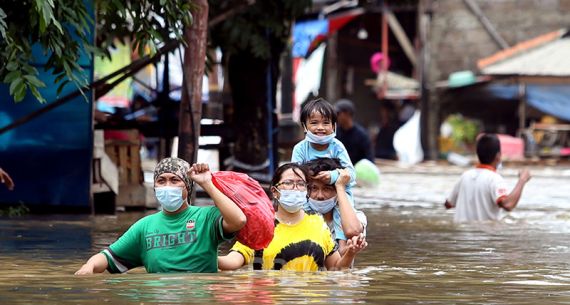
<point>481,192</point>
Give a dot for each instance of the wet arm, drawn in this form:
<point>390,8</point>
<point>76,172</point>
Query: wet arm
<point>351,248</point>
<point>452,199</point>
<point>337,262</point>
<point>511,200</point>
<point>351,226</point>
<point>342,247</point>
<point>234,218</point>
<point>96,264</point>
<point>233,261</point>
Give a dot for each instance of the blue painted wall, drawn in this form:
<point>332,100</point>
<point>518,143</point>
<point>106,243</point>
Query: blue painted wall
<point>49,158</point>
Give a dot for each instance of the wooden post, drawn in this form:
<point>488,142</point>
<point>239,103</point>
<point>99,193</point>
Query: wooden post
<point>429,109</point>
<point>333,83</point>
<point>193,69</point>
<point>489,27</point>
<point>402,38</point>
<point>522,107</point>
<point>384,68</point>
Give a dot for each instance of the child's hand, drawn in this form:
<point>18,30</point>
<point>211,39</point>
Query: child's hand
<point>343,177</point>
<point>324,177</point>
<point>200,172</point>
<point>356,244</point>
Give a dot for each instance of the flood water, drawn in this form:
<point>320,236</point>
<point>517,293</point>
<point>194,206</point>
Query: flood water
<point>416,254</point>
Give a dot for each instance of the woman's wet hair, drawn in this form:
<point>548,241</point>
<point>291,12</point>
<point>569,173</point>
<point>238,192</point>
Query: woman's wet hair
<point>318,165</point>
<point>321,106</point>
<point>488,146</point>
<point>296,169</point>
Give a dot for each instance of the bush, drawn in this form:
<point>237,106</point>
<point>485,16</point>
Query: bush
<point>464,131</point>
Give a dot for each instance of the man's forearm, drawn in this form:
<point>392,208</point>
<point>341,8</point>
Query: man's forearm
<point>513,198</point>
<point>350,223</point>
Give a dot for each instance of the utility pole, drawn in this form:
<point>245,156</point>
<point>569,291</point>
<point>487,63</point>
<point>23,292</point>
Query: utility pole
<point>429,111</point>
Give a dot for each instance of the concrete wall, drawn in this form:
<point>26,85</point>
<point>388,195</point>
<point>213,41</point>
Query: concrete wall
<point>458,39</point>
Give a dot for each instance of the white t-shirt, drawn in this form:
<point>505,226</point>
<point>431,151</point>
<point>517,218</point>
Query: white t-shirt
<point>477,194</point>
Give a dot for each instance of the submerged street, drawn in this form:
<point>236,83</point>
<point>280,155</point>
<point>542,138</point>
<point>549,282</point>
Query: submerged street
<point>416,254</point>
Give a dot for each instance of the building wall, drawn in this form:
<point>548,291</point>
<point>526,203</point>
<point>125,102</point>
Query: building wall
<point>458,39</point>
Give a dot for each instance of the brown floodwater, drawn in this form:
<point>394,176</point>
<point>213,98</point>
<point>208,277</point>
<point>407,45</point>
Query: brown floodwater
<point>416,254</point>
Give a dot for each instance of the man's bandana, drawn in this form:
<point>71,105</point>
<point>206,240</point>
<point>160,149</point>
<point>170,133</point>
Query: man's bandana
<point>175,166</point>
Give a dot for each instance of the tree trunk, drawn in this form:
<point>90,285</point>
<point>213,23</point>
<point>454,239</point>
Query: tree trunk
<point>194,64</point>
<point>253,84</point>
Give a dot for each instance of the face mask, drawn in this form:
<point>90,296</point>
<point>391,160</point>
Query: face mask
<point>322,206</point>
<point>500,166</point>
<point>170,197</point>
<point>313,138</point>
<point>292,200</point>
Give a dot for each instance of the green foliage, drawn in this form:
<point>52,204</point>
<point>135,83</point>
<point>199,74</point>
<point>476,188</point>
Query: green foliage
<point>61,28</point>
<point>256,28</point>
<point>14,211</point>
<point>463,130</point>
<point>145,23</point>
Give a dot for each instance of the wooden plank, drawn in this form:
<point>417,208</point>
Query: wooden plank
<point>111,151</point>
<point>553,127</point>
<point>125,154</point>
<point>123,164</point>
<point>402,37</point>
<point>131,195</point>
<point>135,164</point>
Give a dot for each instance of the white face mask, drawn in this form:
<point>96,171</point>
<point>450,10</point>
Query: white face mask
<point>322,206</point>
<point>169,197</point>
<point>292,200</point>
<point>313,138</point>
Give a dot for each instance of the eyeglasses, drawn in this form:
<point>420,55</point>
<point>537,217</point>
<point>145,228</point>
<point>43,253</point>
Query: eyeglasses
<point>290,184</point>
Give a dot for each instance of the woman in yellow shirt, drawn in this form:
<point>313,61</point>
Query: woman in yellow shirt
<point>301,242</point>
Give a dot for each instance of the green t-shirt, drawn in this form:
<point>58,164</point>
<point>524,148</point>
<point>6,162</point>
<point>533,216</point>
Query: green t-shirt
<point>185,242</point>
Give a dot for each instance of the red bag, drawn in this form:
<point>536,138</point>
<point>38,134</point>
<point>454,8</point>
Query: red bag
<point>253,201</point>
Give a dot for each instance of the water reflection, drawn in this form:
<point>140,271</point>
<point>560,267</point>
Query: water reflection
<point>416,255</point>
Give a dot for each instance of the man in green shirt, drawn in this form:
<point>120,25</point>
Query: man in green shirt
<point>180,238</point>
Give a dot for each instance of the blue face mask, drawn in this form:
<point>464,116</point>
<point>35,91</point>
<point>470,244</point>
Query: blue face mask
<point>291,200</point>
<point>169,197</point>
<point>322,206</point>
<point>313,138</point>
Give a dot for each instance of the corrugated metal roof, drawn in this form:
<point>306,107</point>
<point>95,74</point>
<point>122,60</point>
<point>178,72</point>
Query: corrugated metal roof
<point>550,59</point>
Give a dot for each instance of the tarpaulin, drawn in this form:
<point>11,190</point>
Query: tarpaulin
<point>550,99</point>
<point>307,35</point>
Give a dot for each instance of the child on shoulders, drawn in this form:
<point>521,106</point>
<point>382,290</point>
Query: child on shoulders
<point>318,118</point>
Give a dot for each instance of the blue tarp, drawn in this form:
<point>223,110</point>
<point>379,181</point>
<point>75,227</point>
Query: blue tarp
<point>550,99</point>
<point>49,158</point>
<point>304,33</point>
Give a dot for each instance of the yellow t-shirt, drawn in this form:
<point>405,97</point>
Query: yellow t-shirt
<point>300,247</point>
